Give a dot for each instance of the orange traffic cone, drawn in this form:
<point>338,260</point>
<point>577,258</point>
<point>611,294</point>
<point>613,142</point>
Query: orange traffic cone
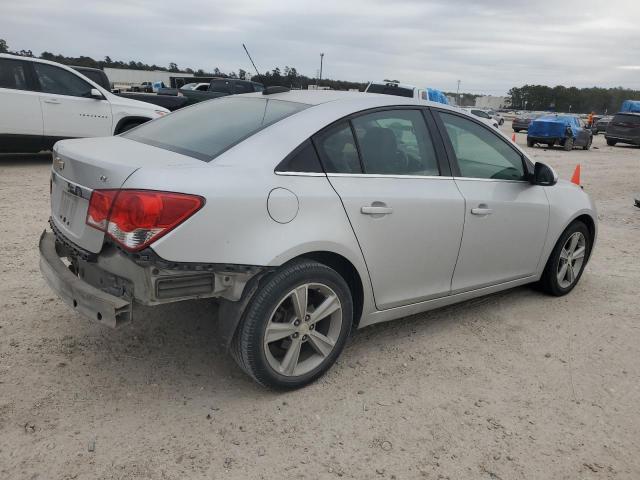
<point>575,178</point>
<point>513,138</point>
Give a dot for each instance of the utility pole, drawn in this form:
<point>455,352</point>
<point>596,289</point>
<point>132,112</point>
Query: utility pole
<point>458,93</point>
<point>320,77</point>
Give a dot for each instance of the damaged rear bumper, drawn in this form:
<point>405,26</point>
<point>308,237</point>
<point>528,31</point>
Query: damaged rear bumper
<point>104,287</point>
<point>75,292</point>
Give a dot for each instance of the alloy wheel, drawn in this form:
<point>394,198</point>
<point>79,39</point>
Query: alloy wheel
<point>571,259</point>
<point>303,329</point>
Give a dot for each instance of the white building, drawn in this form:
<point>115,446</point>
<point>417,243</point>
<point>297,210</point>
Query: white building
<point>489,101</point>
<point>126,77</point>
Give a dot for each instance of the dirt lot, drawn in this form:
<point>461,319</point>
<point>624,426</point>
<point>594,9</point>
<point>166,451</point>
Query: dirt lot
<point>514,386</point>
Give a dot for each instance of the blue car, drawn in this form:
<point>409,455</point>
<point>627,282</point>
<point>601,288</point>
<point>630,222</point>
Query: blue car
<point>564,130</point>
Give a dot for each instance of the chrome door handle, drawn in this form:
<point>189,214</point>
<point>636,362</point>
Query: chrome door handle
<point>376,210</point>
<point>483,210</point>
<point>51,100</point>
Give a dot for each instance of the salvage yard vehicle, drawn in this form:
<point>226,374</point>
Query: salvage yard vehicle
<point>42,102</point>
<point>221,87</point>
<point>564,130</point>
<point>202,87</point>
<point>522,121</point>
<point>602,124</point>
<point>623,128</point>
<point>166,101</point>
<point>482,114</point>
<point>397,89</point>
<point>306,214</point>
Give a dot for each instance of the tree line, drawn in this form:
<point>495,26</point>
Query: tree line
<point>527,97</point>
<point>288,76</point>
<point>570,99</point>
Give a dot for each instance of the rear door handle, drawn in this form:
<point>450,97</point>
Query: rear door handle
<point>376,210</point>
<point>481,210</point>
<point>51,100</point>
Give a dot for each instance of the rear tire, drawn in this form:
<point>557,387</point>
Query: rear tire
<point>530,143</point>
<point>556,282</point>
<point>568,144</point>
<point>277,348</point>
<point>588,145</point>
<point>517,130</point>
<point>611,143</point>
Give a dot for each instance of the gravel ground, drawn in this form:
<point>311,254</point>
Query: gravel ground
<point>517,385</point>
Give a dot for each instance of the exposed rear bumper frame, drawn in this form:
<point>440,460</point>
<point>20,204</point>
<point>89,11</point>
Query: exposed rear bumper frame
<point>91,302</point>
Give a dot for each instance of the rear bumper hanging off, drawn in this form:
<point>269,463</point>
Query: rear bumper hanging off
<point>75,292</point>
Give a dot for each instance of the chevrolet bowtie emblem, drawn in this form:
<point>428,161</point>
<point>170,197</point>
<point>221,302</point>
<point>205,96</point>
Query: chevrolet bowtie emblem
<point>58,163</point>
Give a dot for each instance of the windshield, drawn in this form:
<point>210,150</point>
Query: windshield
<point>390,89</point>
<point>207,129</point>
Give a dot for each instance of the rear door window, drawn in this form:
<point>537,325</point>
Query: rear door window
<point>242,88</point>
<point>337,149</point>
<point>222,86</point>
<point>395,142</point>
<point>13,74</point>
<point>303,159</point>
<point>59,81</point>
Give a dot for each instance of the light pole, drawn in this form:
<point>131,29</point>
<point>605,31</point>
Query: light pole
<point>320,78</point>
<point>458,93</point>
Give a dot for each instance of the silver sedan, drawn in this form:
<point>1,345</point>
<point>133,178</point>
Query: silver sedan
<point>306,215</point>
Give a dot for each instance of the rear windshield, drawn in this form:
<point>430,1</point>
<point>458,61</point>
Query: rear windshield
<point>390,90</point>
<point>209,128</point>
<point>626,118</point>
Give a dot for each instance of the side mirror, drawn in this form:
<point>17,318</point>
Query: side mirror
<point>95,94</point>
<point>544,175</point>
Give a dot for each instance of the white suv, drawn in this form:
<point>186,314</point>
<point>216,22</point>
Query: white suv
<point>43,102</point>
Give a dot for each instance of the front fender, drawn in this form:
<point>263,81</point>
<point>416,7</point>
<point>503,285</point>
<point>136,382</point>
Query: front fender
<point>567,202</point>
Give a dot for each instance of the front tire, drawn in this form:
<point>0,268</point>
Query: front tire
<point>530,143</point>
<point>611,143</point>
<point>295,326</point>
<point>517,130</point>
<point>588,145</point>
<point>567,261</point>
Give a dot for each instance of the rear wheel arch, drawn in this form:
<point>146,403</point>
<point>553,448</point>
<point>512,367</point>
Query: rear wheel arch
<point>127,121</point>
<point>348,271</point>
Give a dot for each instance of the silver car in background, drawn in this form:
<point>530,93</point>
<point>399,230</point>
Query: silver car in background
<point>306,215</point>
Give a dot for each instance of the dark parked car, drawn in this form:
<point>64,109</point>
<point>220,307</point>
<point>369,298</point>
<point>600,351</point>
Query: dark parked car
<point>562,130</point>
<point>624,128</point>
<point>521,122</point>
<point>219,87</point>
<point>601,124</point>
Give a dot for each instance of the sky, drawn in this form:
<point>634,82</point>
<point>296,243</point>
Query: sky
<point>489,45</point>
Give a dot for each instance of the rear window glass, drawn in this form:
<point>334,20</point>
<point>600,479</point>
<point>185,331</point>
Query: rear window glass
<point>390,90</point>
<point>630,119</point>
<point>207,129</point>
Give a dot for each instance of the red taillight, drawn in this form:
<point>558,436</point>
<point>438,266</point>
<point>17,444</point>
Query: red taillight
<point>136,218</point>
<point>99,208</point>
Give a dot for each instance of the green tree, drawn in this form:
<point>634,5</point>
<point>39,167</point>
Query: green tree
<point>4,48</point>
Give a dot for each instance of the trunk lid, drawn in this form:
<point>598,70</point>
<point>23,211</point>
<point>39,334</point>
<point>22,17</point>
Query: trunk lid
<point>81,166</point>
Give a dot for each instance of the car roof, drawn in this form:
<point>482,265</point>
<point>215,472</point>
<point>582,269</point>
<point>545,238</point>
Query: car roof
<point>372,100</point>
